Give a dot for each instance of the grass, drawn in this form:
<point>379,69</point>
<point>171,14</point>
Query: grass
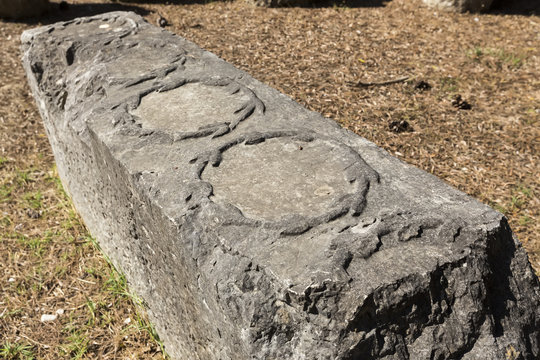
<point>24,177</point>
<point>34,199</point>
<point>520,197</point>
<point>496,57</point>
<point>35,244</point>
<point>42,257</point>
<point>448,86</point>
<point>16,351</point>
<point>77,343</point>
<point>3,161</point>
<point>5,192</point>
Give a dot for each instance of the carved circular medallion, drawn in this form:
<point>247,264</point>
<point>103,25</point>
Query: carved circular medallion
<point>289,182</point>
<point>195,108</point>
<point>188,108</point>
<point>132,68</point>
<point>98,26</point>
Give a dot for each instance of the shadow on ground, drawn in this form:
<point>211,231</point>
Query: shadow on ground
<point>67,12</point>
<point>510,7</point>
<point>515,7</point>
<point>309,3</point>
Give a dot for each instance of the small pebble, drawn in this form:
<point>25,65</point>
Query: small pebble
<point>48,317</point>
<point>162,22</point>
<point>400,126</point>
<point>33,214</point>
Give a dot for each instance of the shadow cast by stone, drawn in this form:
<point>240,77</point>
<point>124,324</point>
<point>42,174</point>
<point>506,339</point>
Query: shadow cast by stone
<point>515,7</point>
<point>56,13</point>
<point>281,3</point>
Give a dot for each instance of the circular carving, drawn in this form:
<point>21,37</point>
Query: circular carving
<point>115,25</point>
<point>279,177</point>
<point>286,181</point>
<point>188,108</point>
<point>132,69</point>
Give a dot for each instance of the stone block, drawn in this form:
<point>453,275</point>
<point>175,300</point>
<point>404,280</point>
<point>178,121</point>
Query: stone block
<point>461,5</point>
<point>256,229</point>
<point>17,9</point>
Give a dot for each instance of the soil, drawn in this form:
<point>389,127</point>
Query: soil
<point>467,112</point>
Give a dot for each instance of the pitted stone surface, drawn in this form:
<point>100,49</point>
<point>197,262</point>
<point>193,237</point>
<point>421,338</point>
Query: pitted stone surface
<point>297,180</point>
<point>189,108</point>
<point>285,176</point>
<point>162,62</point>
<point>256,229</point>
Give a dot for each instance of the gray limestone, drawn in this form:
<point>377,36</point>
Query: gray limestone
<point>256,229</point>
<point>461,5</point>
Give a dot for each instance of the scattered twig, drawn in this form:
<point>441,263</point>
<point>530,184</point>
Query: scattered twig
<point>87,281</point>
<point>35,342</point>
<point>379,83</point>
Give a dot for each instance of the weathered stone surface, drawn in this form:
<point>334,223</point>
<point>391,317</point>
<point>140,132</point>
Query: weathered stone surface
<point>16,9</point>
<point>256,229</point>
<point>461,5</point>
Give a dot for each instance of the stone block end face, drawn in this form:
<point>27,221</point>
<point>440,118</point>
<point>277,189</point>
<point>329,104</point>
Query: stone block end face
<point>256,229</point>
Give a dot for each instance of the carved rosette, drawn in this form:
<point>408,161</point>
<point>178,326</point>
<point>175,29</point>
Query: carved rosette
<point>182,108</point>
<point>297,180</point>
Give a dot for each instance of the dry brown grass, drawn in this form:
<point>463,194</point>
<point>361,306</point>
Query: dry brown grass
<point>491,151</point>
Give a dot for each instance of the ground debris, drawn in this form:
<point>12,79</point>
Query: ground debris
<point>422,85</point>
<point>399,126</point>
<point>461,104</point>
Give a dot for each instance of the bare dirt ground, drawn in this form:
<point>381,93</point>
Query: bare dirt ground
<point>469,113</point>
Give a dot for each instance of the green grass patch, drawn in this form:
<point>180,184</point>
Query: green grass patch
<point>520,196</point>
<point>116,284</point>
<point>5,193</point>
<point>34,199</point>
<point>24,177</point>
<point>498,57</point>
<point>36,244</point>
<point>3,161</point>
<point>449,85</point>
<point>16,351</point>
<point>8,314</point>
<point>77,343</point>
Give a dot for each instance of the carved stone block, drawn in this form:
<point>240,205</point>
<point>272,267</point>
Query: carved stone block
<point>256,229</point>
